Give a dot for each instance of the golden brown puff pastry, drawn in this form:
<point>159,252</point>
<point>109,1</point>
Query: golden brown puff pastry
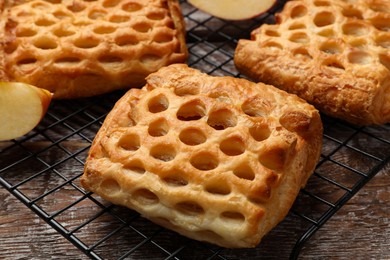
<point>217,159</point>
<point>334,54</point>
<point>77,48</point>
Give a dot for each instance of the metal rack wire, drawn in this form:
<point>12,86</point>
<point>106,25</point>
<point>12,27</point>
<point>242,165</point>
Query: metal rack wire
<point>43,168</point>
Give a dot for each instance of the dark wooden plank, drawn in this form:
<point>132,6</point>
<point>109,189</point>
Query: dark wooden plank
<point>23,235</point>
<point>360,230</point>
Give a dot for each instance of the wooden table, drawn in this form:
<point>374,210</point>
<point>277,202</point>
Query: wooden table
<point>359,230</point>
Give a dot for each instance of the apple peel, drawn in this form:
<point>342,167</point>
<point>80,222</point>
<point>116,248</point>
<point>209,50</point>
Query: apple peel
<point>234,9</point>
<point>22,107</point>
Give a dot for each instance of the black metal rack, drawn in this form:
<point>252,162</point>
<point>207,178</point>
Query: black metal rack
<point>43,168</point>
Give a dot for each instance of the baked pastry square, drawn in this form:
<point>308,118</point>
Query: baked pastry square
<point>77,48</point>
<point>334,54</point>
<point>217,159</point>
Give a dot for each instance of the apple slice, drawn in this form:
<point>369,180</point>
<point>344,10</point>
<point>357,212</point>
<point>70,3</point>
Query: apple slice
<point>233,9</point>
<point>22,107</point>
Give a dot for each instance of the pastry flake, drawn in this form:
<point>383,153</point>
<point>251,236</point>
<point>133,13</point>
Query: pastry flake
<point>85,48</point>
<point>334,54</point>
<point>217,159</point>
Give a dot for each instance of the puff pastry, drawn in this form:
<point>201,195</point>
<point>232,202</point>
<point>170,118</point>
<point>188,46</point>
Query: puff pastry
<point>334,54</point>
<point>217,159</point>
<point>77,48</point>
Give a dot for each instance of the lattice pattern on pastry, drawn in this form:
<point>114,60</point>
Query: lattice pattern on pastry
<point>364,28</point>
<point>323,47</point>
<point>194,149</point>
<point>119,40</point>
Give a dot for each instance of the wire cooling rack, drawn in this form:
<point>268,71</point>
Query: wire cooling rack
<point>43,168</point>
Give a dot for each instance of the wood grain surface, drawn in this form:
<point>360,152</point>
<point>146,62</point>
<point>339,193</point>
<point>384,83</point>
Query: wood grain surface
<point>45,167</point>
<point>360,230</point>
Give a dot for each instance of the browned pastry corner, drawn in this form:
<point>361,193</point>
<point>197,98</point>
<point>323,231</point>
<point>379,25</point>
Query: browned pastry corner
<point>334,54</point>
<point>217,159</point>
<point>77,48</point>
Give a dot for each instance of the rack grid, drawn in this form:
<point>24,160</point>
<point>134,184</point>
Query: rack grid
<point>43,168</point>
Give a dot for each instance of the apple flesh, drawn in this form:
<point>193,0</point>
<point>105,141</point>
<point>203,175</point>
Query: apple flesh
<point>233,9</point>
<point>22,107</point>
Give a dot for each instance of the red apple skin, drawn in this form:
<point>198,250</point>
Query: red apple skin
<point>217,8</point>
<point>22,107</point>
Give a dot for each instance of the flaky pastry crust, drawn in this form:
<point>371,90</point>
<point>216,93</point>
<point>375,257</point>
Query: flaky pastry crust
<point>334,54</point>
<point>217,159</point>
<point>86,48</point>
